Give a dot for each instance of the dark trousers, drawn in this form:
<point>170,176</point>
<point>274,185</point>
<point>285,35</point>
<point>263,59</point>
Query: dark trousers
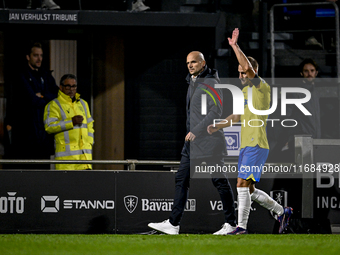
<point>182,180</point>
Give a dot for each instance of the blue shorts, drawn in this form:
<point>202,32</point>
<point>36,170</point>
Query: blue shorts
<point>251,162</point>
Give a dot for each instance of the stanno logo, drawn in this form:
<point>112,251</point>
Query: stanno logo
<point>88,204</point>
<point>12,204</point>
<point>51,204</point>
<point>130,203</point>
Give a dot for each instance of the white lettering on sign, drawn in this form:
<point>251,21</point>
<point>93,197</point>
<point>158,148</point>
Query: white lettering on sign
<point>63,17</point>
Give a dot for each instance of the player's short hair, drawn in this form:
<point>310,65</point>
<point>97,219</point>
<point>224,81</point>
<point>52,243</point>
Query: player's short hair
<point>308,61</point>
<point>31,46</point>
<point>253,63</point>
<point>67,76</point>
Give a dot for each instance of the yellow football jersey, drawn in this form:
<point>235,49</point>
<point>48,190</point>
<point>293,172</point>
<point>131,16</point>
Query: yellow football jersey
<point>253,126</point>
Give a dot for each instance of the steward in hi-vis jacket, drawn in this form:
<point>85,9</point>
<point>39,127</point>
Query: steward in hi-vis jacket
<point>68,117</point>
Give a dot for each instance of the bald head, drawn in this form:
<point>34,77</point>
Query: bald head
<point>197,54</point>
<point>195,63</point>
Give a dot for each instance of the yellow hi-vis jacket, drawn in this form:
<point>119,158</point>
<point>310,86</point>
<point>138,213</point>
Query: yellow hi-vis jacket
<point>71,142</point>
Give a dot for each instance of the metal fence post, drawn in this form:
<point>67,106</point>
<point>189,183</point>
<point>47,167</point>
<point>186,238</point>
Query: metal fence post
<point>304,159</point>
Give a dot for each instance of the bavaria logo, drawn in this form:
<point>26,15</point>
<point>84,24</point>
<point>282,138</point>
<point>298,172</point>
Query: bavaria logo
<point>280,196</point>
<point>130,203</point>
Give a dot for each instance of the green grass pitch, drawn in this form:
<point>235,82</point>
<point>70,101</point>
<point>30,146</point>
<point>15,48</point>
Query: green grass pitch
<point>164,244</point>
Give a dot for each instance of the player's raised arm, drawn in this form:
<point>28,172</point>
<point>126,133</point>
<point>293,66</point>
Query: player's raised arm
<point>242,59</point>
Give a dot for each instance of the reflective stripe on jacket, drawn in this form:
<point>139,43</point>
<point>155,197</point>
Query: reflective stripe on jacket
<point>71,142</point>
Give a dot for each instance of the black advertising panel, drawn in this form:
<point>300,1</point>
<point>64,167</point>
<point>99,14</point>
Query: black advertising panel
<point>327,182</point>
<point>149,197</point>
<point>123,202</point>
<point>209,215</point>
<point>260,219</point>
<point>143,197</point>
<point>57,202</point>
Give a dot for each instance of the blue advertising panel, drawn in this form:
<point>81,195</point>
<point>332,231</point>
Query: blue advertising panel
<point>233,139</point>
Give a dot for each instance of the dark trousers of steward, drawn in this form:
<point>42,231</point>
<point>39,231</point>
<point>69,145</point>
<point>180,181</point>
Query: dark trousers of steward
<point>219,180</point>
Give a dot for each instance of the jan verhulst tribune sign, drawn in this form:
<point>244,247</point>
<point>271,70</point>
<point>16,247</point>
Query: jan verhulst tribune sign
<point>43,17</point>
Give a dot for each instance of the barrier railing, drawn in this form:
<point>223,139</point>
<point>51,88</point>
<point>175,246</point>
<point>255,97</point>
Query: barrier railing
<point>131,163</point>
